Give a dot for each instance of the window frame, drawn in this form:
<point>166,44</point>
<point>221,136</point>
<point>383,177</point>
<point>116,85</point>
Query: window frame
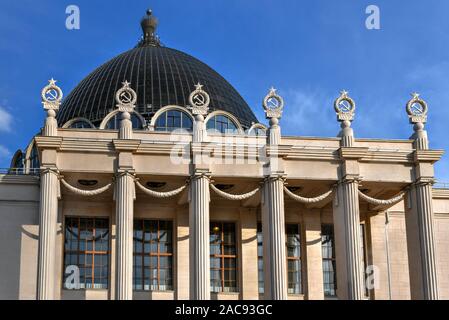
<point>222,256</point>
<point>332,260</point>
<point>142,255</point>
<point>292,258</point>
<point>86,252</point>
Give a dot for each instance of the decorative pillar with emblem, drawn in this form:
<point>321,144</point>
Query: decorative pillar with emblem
<point>48,206</point>
<point>346,211</point>
<point>419,210</point>
<point>199,198</point>
<point>124,195</point>
<point>273,218</point>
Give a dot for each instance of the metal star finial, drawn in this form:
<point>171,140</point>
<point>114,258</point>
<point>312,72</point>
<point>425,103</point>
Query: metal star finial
<point>272,90</point>
<point>344,93</point>
<point>126,83</point>
<point>52,81</point>
<point>199,86</point>
<point>415,95</point>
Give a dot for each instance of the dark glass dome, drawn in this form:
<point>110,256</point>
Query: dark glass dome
<point>161,76</point>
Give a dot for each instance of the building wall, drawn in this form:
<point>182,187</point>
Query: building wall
<point>386,244</point>
<point>19,212</point>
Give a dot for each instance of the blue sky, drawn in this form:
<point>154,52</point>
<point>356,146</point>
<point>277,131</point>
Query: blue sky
<point>308,49</point>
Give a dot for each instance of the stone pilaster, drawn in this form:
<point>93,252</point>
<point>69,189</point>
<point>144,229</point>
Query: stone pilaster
<point>125,195</point>
<point>314,258</point>
<point>199,236</point>
<point>48,215</point>
<point>273,228</point>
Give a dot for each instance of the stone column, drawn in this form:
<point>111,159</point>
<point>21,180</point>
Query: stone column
<point>49,192</point>
<point>346,211</point>
<point>48,215</point>
<point>125,195</point>
<point>199,198</point>
<point>273,228</point>
<point>350,283</point>
<point>273,215</point>
<point>419,209</point>
<point>199,235</point>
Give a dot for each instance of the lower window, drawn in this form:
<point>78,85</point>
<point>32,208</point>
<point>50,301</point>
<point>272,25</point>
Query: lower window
<point>223,257</point>
<point>86,247</point>
<point>153,255</point>
<point>293,236</point>
<point>329,262</point>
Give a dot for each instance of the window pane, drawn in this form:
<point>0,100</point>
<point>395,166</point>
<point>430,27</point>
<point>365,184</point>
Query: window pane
<point>156,258</point>
<point>223,260</point>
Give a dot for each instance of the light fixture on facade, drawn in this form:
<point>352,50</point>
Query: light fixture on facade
<point>87,183</point>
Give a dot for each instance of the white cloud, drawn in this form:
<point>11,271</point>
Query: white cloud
<point>309,113</point>
<point>5,120</point>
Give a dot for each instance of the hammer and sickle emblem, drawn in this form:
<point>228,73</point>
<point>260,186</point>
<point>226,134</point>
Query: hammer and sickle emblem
<point>51,95</point>
<point>125,97</point>
<point>199,99</point>
<point>273,103</point>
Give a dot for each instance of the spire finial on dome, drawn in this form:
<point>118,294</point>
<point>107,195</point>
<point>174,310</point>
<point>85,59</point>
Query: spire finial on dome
<point>149,24</point>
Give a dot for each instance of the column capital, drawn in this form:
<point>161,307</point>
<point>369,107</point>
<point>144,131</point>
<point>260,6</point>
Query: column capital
<point>276,176</point>
<point>423,181</point>
<point>201,173</point>
<point>349,178</point>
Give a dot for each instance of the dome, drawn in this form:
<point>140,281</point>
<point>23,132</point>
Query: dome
<point>160,76</point>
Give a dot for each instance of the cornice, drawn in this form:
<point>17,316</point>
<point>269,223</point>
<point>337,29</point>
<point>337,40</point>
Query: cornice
<point>81,145</point>
<point>280,151</point>
<point>303,153</point>
<point>126,144</point>
<point>19,179</point>
<point>353,153</point>
<point>440,193</point>
<point>395,156</point>
<point>43,142</point>
<point>431,156</point>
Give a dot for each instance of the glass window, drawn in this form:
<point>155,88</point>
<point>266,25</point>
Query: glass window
<point>80,124</point>
<point>86,246</point>
<point>153,255</point>
<point>293,239</point>
<point>222,124</point>
<point>260,258</point>
<point>258,132</point>
<point>114,122</point>
<point>329,262</point>
<point>223,257</point>
<point>172,120</point>
<point>34,159</point>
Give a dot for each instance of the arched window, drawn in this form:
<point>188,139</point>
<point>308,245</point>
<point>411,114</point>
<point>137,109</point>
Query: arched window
<point>80,124</point>
<point>114,122</point>
<point>258,132</point>
<point>222,123</point>
<point>172,120</point>
<point>18,161</point>
<point>34,159</point>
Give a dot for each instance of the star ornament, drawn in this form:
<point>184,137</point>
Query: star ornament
<point>52,82</point>
<point>344,93</point>
<point>273,91</point>
<point>126,83</point>
<point>199,86</point>
<point>415,95</point>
